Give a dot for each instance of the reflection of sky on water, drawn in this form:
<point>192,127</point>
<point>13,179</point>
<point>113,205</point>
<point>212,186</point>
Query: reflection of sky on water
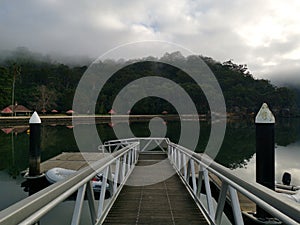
<point>11,190</point>
<point>287,159</point>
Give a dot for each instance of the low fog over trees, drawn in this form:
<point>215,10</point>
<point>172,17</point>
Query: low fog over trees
<point>44,83</point>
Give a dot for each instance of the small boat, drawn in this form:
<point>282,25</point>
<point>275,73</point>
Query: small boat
<point>286,187</point>
<point>57,174</point>
<point>294,197</point>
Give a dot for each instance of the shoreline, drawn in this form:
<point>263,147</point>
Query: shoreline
<point>65,119</point>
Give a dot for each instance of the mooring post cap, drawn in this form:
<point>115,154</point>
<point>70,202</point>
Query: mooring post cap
<point>34,119</point>
<point>264,115</point>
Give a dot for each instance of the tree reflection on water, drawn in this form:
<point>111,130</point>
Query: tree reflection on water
<point>237,149</point>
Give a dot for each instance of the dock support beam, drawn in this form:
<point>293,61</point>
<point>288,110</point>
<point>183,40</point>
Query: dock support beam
<point>35,145</point>
<point>265,156</point>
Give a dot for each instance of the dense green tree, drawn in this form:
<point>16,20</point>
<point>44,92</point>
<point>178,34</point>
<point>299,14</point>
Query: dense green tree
<point>5,87</point>
<point>46,84</point>
<point>44,99</point>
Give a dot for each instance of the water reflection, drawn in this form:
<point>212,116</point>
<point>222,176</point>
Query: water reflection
<point>287,151</point>
<point>287,131</point>
<point>12,154</point>
<point>11,190</point>
<point>237,149</point>
<point>287,160</point>
<point>239,144</point>
<point>15,129</point>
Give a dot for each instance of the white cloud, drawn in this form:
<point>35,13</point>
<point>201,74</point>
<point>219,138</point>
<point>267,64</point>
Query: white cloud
<point>107,21</point>
<point>262,34</point>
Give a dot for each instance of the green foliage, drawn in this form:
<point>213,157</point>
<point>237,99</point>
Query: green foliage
<point>44,84</point>
<point>40,85</point>
<point>5,87</point>
<point>241,90</point>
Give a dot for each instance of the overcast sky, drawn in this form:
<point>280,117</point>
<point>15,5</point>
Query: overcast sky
<point>264,34</point>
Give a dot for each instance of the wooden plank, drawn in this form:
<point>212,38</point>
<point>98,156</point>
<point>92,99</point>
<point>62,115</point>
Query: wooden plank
<point>71,160</point>
<point>164,202</point>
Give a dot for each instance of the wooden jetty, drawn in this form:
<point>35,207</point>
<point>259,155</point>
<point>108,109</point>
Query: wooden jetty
<point>171,186</point>
<point>165,202</point>
<point>145,189</point>
<point>72,160</point>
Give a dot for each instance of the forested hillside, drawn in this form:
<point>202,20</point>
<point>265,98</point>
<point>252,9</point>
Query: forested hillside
<point>44,84</point>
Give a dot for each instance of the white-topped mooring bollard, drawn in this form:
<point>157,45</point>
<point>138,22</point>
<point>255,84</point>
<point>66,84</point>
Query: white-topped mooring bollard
<point>265,147</point>
<point>35,119</point>
<point>34,146</point>
<point>265,116</point>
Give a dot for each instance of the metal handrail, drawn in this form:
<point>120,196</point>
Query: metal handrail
<point>272,202</point>
<point>184,161</point>
<point>137,139</point>
<point>31,209</point>
<point>112,147</point>
<point>148,140</point>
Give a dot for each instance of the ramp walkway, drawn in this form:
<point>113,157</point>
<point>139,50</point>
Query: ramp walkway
<point>165,202</point>
<point>147,187</point>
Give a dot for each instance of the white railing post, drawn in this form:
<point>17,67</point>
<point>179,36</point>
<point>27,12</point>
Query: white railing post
<point>236,209</point>
<point>192,165</point>
<point>179,160</point>
<point>117,172</point>
<point>221,203</point>
<point>175,157</point>
<point>135,155</point>
<point>128,162</point>
<point>91,201</point>
<point>208,194</point>
<point>185,172</point>
<point>123,168</point>
<point>132,161</point>
<point>172,154</point>
<point>103,191</point>
<point>200,180</point>
<point>78,205</point>
<point>110,180</point>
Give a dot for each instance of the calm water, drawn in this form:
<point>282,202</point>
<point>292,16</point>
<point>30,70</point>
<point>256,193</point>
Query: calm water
<point>237,152</point>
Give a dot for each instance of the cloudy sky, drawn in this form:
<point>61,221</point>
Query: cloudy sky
<point>265,35</point>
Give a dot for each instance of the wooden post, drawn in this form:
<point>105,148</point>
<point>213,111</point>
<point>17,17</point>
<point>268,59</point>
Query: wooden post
<point>265,156</point>
<point>34,145</point>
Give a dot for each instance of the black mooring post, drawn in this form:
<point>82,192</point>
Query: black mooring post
<point>265,155</point>
<point>34,145</point>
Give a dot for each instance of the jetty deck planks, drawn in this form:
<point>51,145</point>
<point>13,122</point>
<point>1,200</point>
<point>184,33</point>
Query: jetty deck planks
<point>164,201</point>
<point>71,160</point>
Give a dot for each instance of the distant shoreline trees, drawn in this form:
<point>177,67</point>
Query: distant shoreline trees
<point>47,85</point>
